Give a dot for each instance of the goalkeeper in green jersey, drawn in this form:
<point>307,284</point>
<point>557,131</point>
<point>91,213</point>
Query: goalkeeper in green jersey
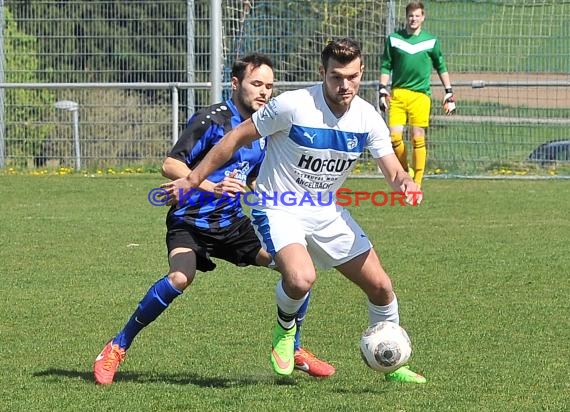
<point>410,55</point>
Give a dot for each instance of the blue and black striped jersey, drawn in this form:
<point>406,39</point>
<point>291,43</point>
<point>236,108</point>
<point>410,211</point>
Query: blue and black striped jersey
<point>205,129</point>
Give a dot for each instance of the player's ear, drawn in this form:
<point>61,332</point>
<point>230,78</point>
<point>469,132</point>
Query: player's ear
<point>322,71</point>
<point>235,83</point>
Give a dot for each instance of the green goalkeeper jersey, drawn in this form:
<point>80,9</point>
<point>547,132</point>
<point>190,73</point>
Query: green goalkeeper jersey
<point>411,58</point>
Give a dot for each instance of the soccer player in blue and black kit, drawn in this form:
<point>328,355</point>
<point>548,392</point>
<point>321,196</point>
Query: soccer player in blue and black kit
<point>209,224</point>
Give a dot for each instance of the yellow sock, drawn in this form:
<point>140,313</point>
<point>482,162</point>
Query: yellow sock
<point>400,148</point>
<point>419,157</point>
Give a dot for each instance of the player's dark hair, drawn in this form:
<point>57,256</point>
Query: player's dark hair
<point>342,50</point>
<point>413,6</point>
<point>254,60</point>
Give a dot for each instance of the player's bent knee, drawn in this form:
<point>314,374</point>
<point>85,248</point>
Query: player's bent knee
<point>182,267</point>
<point>299,284</point>
<point>181,280</point>
<point>418,135</point>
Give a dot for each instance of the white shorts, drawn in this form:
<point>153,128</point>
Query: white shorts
<point>330,238</point>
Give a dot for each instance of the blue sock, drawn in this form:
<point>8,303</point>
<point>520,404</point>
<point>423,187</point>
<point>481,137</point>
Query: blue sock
<point>156,300</point>
<point>299,320</point>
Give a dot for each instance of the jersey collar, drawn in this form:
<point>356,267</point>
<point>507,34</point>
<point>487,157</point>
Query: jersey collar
<point>234,109</point>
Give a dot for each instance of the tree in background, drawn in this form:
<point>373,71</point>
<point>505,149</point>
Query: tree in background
<point>25,110</point>
<point>110,41</point>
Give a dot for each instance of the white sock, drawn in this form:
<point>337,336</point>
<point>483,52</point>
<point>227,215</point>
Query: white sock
<point>388,312</point>
<point>287,308</point>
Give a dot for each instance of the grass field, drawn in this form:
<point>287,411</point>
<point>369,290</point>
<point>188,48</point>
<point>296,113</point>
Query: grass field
<point>481,271</point>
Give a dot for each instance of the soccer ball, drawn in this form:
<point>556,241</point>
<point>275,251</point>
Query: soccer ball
<point>385,346</point>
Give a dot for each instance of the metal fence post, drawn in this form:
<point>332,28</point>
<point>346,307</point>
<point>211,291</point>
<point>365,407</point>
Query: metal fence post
<point>190,53</point>
<point>174,114</point>
<point>2,92</point>
<point>216,50</point>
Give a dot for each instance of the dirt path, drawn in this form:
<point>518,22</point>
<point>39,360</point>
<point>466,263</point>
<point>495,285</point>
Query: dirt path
<point>554,97</point>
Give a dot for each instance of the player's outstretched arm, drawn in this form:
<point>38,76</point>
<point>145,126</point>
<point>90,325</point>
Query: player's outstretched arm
<point>399,179</point>
<point>242,135</point>
<point>175,169</point>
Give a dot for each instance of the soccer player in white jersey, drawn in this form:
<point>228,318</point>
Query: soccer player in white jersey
<point>315,137</point>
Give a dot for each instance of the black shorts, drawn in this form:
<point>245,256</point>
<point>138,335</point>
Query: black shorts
<point>237,243</point>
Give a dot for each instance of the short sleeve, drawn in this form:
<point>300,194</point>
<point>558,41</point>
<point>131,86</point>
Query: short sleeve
<point>195,140</point>
<point>378,142</point>
<point>275,115</point>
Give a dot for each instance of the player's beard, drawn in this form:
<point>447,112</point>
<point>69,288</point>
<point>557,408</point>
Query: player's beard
<point>338,100</point>
<point>247,105</point>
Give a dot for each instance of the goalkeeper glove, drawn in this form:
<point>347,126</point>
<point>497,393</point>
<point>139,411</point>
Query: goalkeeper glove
<point>449,102</point>
<point>384,98</point>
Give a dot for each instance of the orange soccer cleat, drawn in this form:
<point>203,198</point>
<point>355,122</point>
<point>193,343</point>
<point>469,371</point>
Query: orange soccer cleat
<point>107,362</point>
<point>309,363</point>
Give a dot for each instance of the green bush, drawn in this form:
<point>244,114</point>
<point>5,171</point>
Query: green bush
<point>25,109</point>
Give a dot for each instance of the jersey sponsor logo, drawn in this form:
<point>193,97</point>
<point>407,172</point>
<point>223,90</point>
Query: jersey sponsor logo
<point>309,184</point>
<point>317,165</point>
<point>311,137</point>
<point>262,142</point>
<point>269,110</point>
<point>412,48</point>
<point>352,142</point>
<point>241,171</point>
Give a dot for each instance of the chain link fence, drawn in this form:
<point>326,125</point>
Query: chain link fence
<point>138,69</point>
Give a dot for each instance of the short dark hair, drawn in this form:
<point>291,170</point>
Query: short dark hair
<point>254,59</point>
<point>342,50</point>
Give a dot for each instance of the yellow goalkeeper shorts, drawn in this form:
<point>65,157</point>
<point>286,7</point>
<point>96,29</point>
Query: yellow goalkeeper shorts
<point>411,107</point>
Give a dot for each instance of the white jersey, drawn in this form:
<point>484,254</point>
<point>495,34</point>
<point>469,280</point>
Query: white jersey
<point>311,152</point>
